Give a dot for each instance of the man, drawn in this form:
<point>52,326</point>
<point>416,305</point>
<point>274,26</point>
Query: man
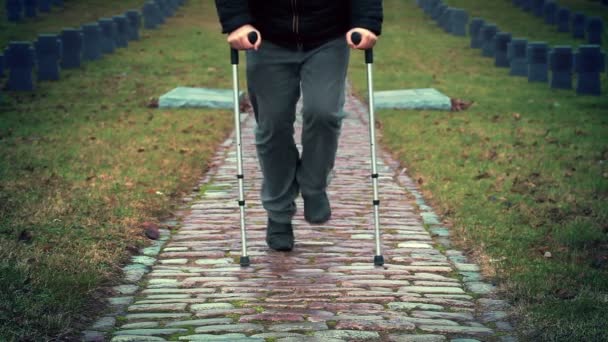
<point>302,47</point>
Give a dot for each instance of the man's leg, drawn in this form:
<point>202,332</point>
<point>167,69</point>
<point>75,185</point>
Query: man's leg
<point>323,82</point>
<point>274,87</point>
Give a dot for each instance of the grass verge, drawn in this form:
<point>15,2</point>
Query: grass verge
<point>519,175</point>
<point>84,161</point>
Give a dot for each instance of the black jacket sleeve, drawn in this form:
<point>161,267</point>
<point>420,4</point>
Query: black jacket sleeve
<point>367,14</point>
<point>233,14</point>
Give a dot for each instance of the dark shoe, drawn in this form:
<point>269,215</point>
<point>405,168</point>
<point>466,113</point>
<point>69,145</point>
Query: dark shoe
<point>279,236</point>
<point>316,208</point>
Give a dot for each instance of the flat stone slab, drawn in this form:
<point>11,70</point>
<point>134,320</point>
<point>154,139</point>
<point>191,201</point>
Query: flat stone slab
<point>187,97</point>
<point>426,98</point>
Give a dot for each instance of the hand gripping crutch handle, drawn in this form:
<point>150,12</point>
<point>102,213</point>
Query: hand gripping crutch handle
<point>234,53</point>
<point>234,56</point>
<point>369,53</point>
<point>369,60</point>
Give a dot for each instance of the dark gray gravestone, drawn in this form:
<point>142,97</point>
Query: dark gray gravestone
<point>537,7</point>
<point>561,64</point>
<point>516,52</point>
<point>578,25</point>
<point>164,10</point>
<point>487,33</point>
<point>150,16</point>
<point>44,5</point>
<point>526,5</point>
<point>429,5</point>
<point>474,28</point>
<point>446,19</point>
<point>550,12</point>
<point>440,9</point>
<point>122,29</point>
<point>1,65</point>
<point>160,15</point>
<point>459,21</point>
<point>14,10</point>
<point>71,43</point>
<point>168,7</point>
<point>436,10</point>
<point>563,20</point>
<point>58,3</point>
<point>134,24</point>
<point>19,59</point>
<point>92,42</point>
<point>537,56</point>
<point>589,62</point>
<point>501,42</point>
<point>30,8</point>
<point>595,27</point>
<point>517,2</point>
<point>48,55</point>
<point>108,34</point>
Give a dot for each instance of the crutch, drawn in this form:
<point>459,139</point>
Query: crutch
<point>234,56</point>
<point>369,61</point>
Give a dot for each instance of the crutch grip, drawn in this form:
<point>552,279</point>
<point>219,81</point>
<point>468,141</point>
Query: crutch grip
<point>369,53</point>
<point>234,53</point>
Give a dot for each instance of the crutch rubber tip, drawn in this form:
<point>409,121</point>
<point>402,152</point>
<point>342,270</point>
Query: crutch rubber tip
<point>245,261</point>
<point>378,260</point>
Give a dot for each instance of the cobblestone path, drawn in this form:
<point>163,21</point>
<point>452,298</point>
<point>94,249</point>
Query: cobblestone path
<point>327,289</point>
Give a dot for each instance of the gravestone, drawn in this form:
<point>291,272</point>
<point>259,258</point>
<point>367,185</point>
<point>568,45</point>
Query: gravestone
<point>48,55</point>
<point>595,27</point>
<point>578,25</point>
<point>187,97</point>
<point>430,5</point>
<point>487,33</point>
<point>160,15</point>
<point>459,21</point>
<point>14,10</point>
<point>501,42</point>
<point>1,65</point>
<point>537,56</point>
<point>550,12</point>
<point>150,16</point>
<point>537,7</point>
<point>122,30</point>
<point>71,44</point>
<point>134,24</point>
<point>19,59</point>
<point>44,5</point>
<point>58,3</point>
<point>92,42</point>
<point>563,19</point>
<point>30,8</point>
<point>438,10</point>
<point>516,3</point>
<point>162,5</point>
<point>561,64</point>
<point>474,28</point>
<point>446,19</point>
<point>108,34</point>
<point>589,62</point>
<point>516,52</point>
<point>441,8</point>
<point>526,5</point>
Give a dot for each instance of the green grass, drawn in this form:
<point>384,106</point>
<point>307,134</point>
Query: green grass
<point>84,161</point>
<point>521,173</point>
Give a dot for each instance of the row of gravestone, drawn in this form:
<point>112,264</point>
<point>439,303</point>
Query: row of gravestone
<point>51,52</point>
<point>580,25</point>
<point>534,60</point>
<point>16,10</point>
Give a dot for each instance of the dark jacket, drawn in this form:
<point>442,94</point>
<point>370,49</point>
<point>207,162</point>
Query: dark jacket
<point>300,23</point>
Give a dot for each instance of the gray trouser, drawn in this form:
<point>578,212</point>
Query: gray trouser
<point>275,77</point>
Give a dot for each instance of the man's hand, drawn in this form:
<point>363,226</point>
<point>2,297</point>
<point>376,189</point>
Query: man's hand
<point>368,39</point>
<point>238,38</point>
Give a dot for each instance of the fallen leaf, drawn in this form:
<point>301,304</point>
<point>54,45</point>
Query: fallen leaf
<point>516,116</point>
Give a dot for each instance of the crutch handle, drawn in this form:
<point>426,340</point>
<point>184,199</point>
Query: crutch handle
<point>369,53</point>
<point>234,53</point>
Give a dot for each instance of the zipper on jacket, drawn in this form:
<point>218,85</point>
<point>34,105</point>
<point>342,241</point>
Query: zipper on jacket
<point>295,23</point>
